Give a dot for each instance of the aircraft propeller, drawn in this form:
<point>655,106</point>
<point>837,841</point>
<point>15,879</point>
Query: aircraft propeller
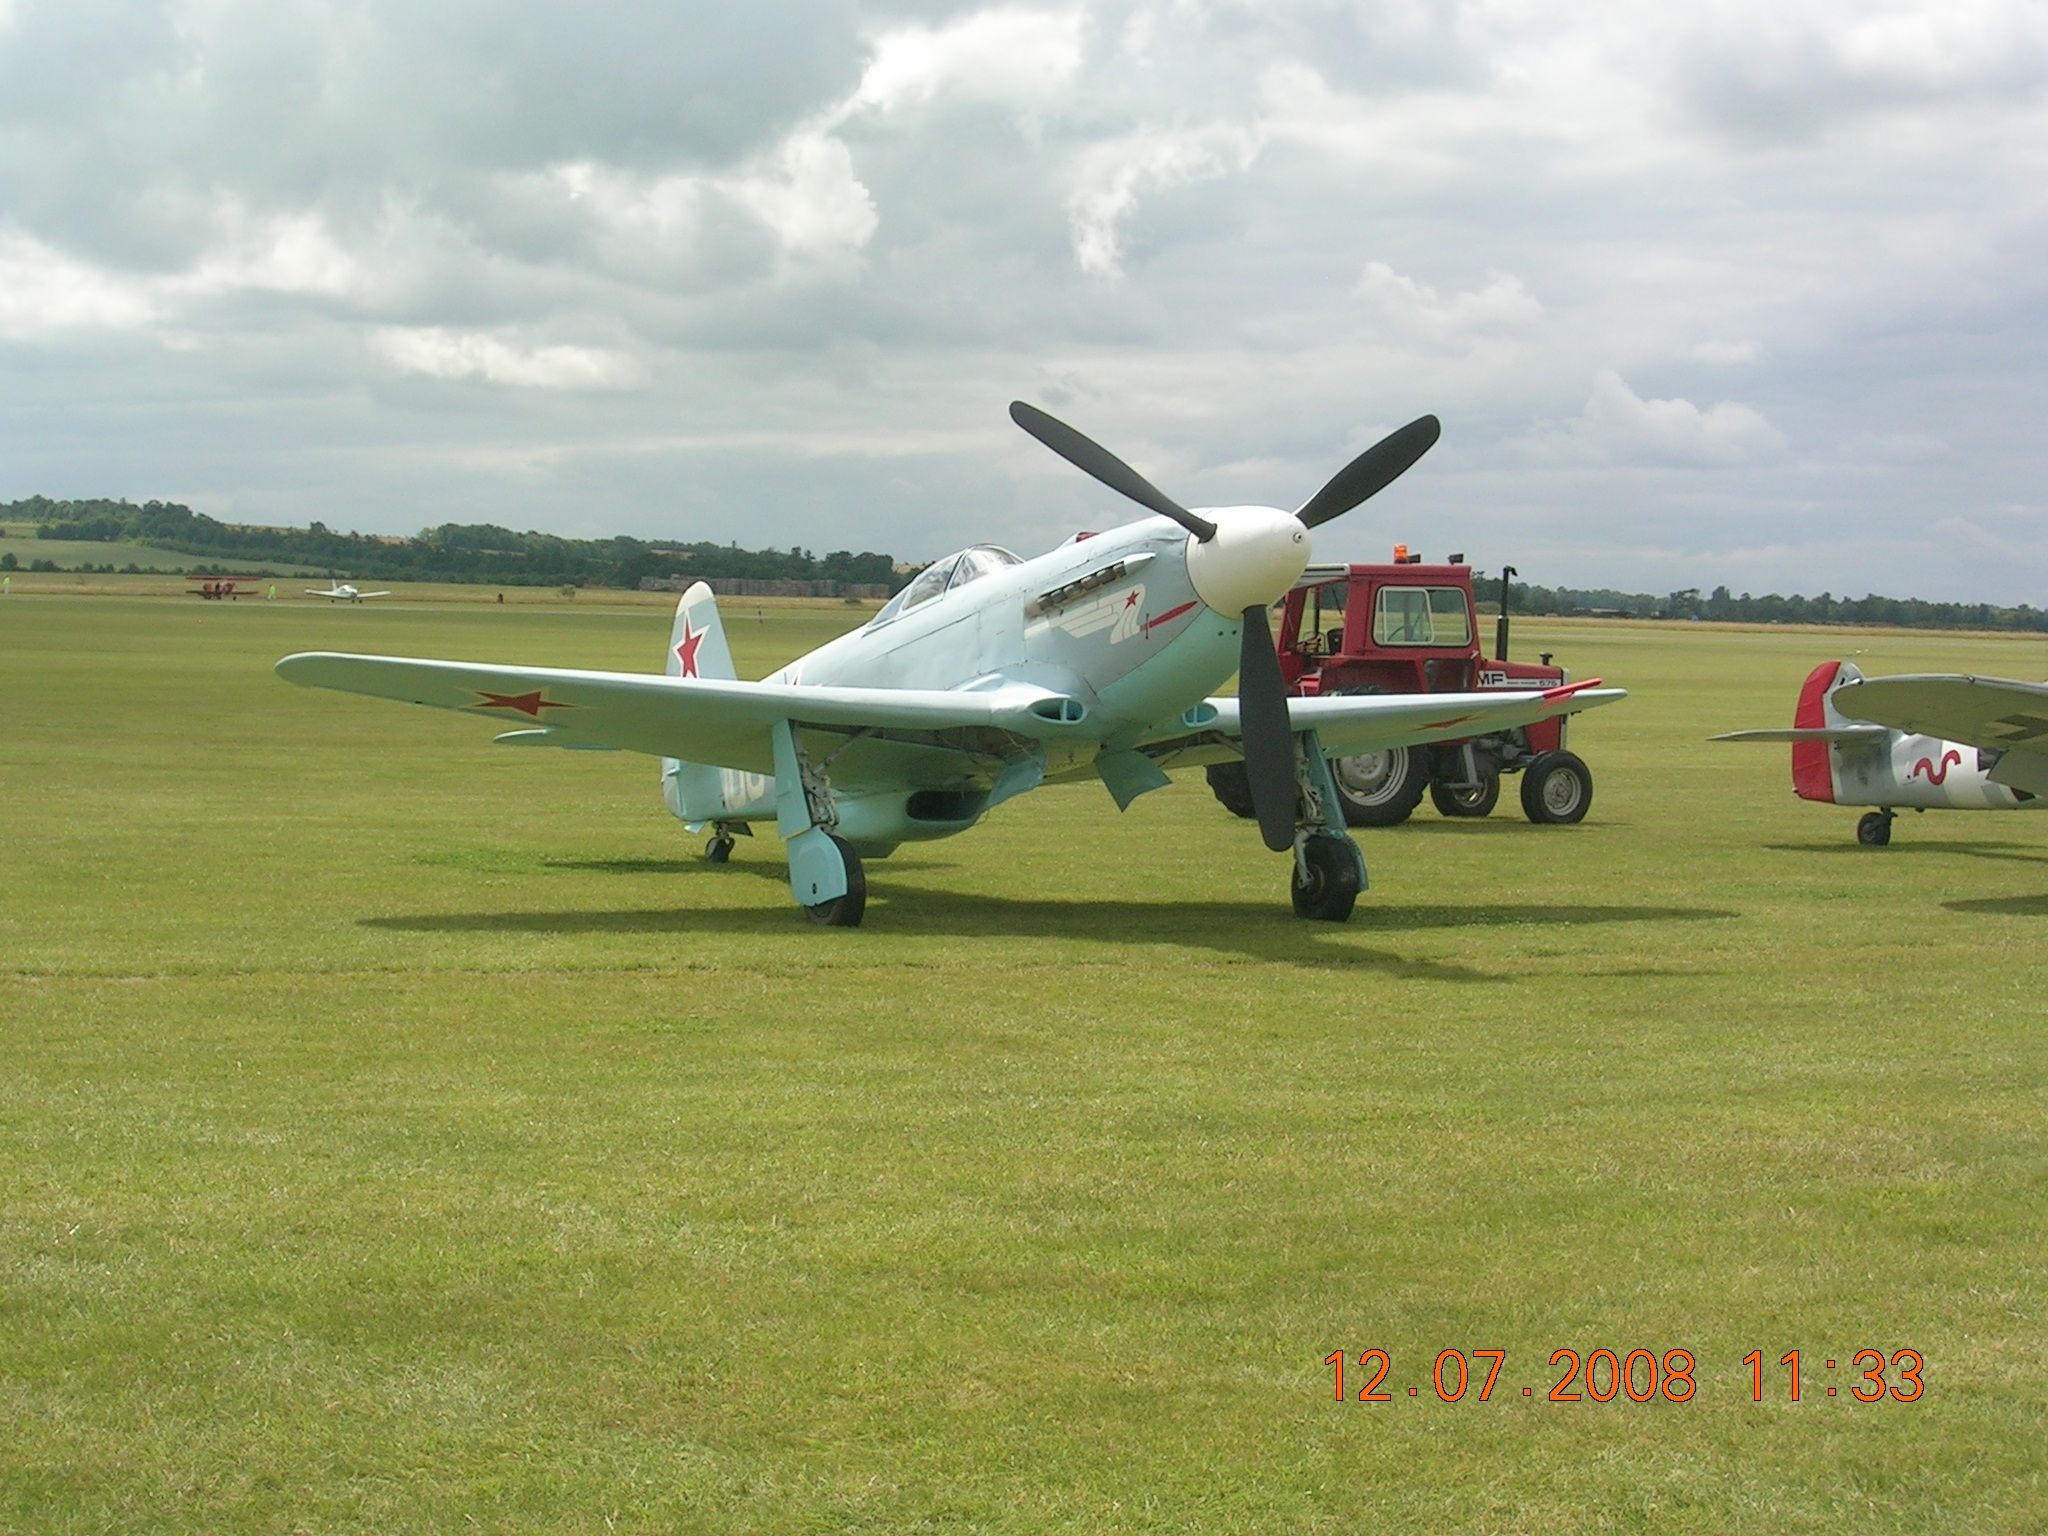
<point>1265,728</point>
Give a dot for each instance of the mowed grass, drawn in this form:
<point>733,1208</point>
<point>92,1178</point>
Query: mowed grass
<point>400,1133</point>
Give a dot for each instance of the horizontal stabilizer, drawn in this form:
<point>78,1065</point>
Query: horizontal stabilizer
<point>1834,733</point>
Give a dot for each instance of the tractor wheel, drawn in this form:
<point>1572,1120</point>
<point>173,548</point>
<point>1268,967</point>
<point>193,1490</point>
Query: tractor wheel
<point>1479,801</point>
<point>844,911</point>
<point>1379,789</point>
<point>1328,888</point>
<point>1557,789</point>
<point>1875,829</point>
<point>1231,787</point>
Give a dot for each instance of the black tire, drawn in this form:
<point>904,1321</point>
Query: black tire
<point>1330,887</point>
<point>1467,802</point>
<point>844,911</point>
<point>1232,788</point>
<point>1557,789</point>
<point>1875,830</point>
<point>719,849</point>
<point>1379,789</point>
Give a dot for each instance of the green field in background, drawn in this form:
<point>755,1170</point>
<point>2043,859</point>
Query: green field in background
<point>405,1134</point>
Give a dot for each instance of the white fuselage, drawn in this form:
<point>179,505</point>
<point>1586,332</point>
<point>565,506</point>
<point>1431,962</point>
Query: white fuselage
<point>1113,621</point>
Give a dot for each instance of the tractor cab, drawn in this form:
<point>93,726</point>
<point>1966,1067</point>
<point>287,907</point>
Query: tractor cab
<point>1399,628</point>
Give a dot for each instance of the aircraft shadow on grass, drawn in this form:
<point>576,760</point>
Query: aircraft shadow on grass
<point>1247,928</point>
<point>2017,853</point>
<point>2003,906</point>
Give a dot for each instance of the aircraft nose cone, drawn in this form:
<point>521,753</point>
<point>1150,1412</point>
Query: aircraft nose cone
<point>1257,555</point>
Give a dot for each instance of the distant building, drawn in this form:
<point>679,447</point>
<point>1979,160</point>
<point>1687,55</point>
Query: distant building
<point>747,586</point>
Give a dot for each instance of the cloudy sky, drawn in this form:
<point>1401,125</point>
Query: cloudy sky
<point>1744,292</point>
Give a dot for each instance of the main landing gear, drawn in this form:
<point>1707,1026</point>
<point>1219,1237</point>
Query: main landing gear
<point>1329,871</point>
<point>1875,829</point>
<point>825,875</point>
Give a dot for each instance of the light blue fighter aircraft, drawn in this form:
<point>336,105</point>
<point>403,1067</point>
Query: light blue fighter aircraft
<point>989,675</point>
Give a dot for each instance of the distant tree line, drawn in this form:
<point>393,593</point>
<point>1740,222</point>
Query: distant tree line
<point>1725,606</point>
<point>454,552</point>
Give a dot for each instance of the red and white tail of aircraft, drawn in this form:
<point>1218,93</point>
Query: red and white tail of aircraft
<point>1920,742</point>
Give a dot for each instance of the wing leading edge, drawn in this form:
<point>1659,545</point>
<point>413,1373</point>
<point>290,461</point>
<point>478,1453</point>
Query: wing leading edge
<point>1350,723</point>
<point>715,721</point>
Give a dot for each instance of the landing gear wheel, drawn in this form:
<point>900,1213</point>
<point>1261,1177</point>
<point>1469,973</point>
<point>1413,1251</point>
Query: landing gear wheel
<point>1232,788</point>
<point>1557,789</point>
<point>1875,829</point>
<point>719,849</point>
<point>843,911</point>
<point>1478,801</point>
<point>1327,888</point>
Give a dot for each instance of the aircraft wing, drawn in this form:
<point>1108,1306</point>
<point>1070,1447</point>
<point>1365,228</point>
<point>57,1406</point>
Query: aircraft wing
<point>1372,722</point>
<point>700,720</point>
<point>1993,714</point>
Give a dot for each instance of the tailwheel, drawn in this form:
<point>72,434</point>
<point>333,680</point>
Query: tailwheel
<point>843,911</point>
<point>1326,881</point>
<point>1875,829</point>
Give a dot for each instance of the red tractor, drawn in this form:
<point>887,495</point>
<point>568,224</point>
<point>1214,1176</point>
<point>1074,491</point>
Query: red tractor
<point>1412,628</point>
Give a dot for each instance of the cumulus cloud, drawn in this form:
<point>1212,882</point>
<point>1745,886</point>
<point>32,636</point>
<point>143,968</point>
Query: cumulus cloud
<point>442,354</point>
<point>44,293</point>
<point>1619,425</point>
<point>1501,303</point>
<point>1015,57</point>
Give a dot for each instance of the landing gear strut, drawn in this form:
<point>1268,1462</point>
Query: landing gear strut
<point>1329,871</point>
<point>825,875</point>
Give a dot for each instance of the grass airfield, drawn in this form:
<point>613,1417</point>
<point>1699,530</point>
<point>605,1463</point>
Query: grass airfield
<point>406,1134</point>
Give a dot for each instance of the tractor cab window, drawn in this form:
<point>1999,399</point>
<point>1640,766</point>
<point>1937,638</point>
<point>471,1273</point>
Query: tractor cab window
<point>1320,630</point>
<point>1434,616</point>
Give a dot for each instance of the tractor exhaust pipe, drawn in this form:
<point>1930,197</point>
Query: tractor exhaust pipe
<point>1500,638</point>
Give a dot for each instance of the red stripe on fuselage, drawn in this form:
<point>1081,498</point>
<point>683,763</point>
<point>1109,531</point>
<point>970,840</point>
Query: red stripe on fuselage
<point>1812,778</point>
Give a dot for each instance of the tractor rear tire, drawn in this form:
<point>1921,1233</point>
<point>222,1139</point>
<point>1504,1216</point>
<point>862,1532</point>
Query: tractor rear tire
<point>1232,788</point>
<point>1453,801</point>
<point>1328,889</point>
<point>1557,789</point>
<point>1379,789</point>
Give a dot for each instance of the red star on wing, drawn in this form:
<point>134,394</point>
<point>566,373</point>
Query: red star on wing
<point>686,653</point>
<point>529,704</point>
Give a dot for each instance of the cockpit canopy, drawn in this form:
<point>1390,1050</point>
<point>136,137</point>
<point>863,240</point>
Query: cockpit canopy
<point>970,564</point>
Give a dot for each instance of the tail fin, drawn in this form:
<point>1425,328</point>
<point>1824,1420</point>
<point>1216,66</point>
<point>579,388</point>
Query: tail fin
<point>696,648</point>
<point>1813,776</point>
<point>696,642</point>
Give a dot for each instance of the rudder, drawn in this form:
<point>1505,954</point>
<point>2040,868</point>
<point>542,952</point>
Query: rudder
<point>693,792</point>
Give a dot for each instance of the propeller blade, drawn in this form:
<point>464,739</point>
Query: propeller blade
<point>1371,472</point>
<point>1092,458</point>
<point>1266,732</point>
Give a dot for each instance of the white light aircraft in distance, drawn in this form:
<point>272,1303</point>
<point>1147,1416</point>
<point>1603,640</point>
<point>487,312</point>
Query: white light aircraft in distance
<point>344,594</point>
<point>989,675</point>
<point>1922,742</point>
